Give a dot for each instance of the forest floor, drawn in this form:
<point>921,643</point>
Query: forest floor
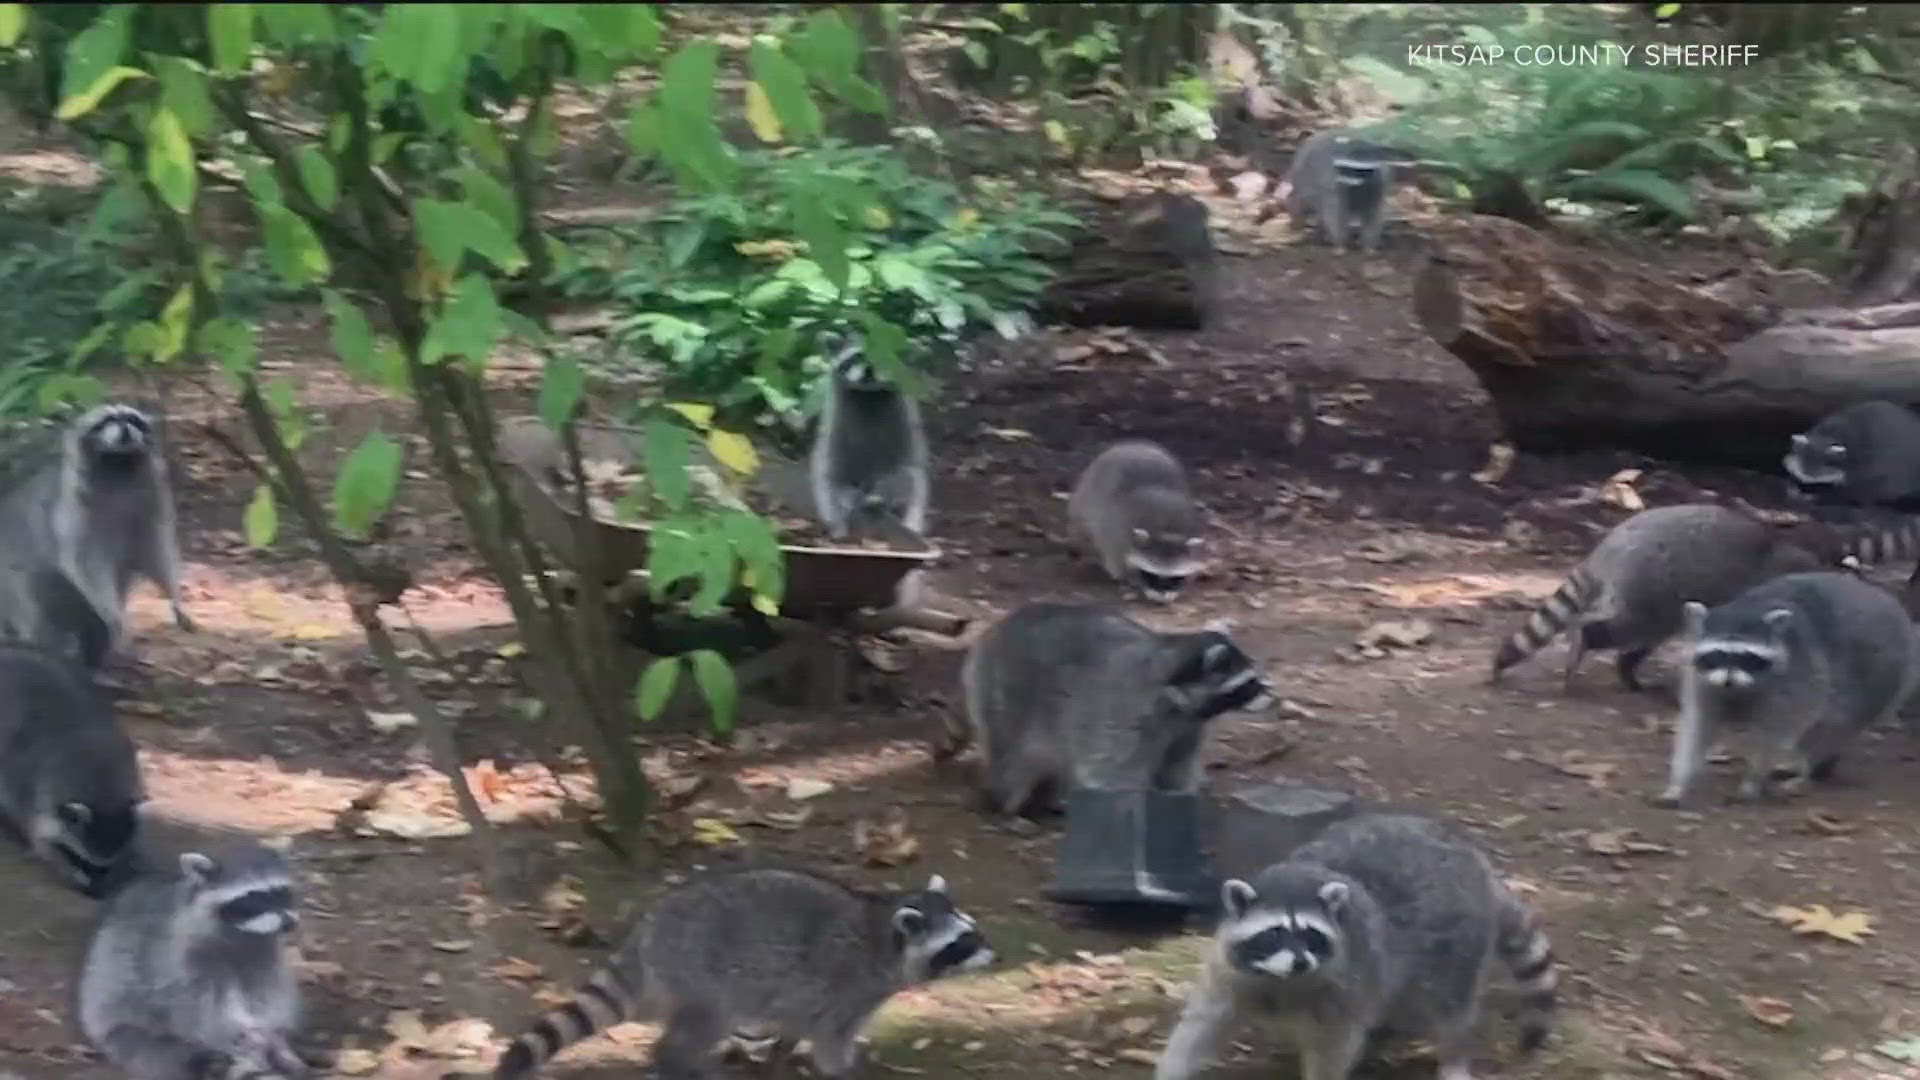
<point>269,721</point>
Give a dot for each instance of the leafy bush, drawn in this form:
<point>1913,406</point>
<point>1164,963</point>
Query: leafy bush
<point>732,295</point>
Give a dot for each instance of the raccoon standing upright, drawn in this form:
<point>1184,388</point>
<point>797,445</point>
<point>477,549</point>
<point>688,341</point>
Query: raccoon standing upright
<point>102,512</point>
<point>784,954</point>
<point>868,465</point>
<point>69,780</point>
<point>188,974</point>
<point>1342,180</point>
<point>1627,593</point>
<point>1135,509</point>
<point>1793,670</point>
<point>1384,923</point>
<point>1078,695</point>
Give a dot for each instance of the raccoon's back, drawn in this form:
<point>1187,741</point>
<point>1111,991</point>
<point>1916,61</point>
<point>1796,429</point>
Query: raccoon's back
<point>56,727</point>
<point>874,437</point>
<point>1128,480</point>
<point>1425,875</point>
<point>1658,559</point>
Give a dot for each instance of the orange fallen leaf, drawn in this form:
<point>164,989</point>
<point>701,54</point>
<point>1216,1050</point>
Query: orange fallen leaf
<point>1851,927</point>
<point>1770,1011</point>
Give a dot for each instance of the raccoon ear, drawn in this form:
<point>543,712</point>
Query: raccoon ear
<point>1139,534</point>
<point>910,921</point>
<point>1695,614</point>
<point>195,865</point>
<point>1778,618</point>
<point>76,815</point>
<point>1799,442</point>
<point>1837,450</point>
<point>1194,542</point>
<point>938,884</point>
<point>1334,895</point>
<point>1236,896</point>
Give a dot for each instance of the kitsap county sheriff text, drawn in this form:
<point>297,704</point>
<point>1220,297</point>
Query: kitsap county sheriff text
<point>1586,55</point>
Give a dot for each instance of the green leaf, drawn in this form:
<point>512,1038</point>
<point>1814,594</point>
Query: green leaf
<point>815,222</point>
<point>352,337</point>
<point>85,101</point>
<point>759,549</point>
<point>260,182</point>
<point>183,88</point>
<point>296,24</point>
<point>142,338</point>
<point>292,248</point>
<point>561,385</point>
<point>665,452</point>
<point>491,197</point>
<point>643,130</point>
<point>656,686</point>
<point>129,289</point>
<point>829,51</point>
<point>1633,186</point>
<point>317,176</point>
<point>231,342</point>
<point>421,44</point>
<point>479,136</point>
<point>366,484</point>
<point>170,163</point>
<point>13,19</point>
<point>174,322</point>
<point>1666,11</point>
<point>262,519</point>
<point>689,139</point>
<point>471,322</point>
<point>450,229</point>
<point>230,31</point>
<point>717,684</point>
<point>90,56</point>
<point>786,90</point>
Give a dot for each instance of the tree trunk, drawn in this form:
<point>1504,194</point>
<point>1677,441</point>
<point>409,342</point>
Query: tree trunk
<point>1883,242</point>
<point>1149,263</point>
<point>1581,350</point>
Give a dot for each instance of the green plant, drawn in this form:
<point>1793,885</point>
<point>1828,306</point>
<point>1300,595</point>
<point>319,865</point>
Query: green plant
<point>732,292</point>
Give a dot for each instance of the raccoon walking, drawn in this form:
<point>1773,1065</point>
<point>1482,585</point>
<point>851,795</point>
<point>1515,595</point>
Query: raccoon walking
<point>187,974</point>
<point>868,465</point>
<point>1079,694</point>
<point>1627,593</point>
<point>69,782</point>
<point>1794,669</point>
<point>1343,180</point>
<point>1135,508</point>
<point>1386,922</point>
<point>776,953</point>
<point>101,512</point>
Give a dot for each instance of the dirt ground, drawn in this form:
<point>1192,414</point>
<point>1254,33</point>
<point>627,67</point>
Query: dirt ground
<point>269,721</point>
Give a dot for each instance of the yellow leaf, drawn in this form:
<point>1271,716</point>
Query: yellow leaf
<point>1056,133</point>
<point>1768,1010</point>
<point>510,650</point>
<point>713,832</point>
<point>700,416</point>
<point>966,217</point>
<point>1851,927</point>
<point>86,100</point>
<point>311,632</point>
<point>355,1062</point>
<point>734,451</point>
<point>13,19</point>
<point>766,126</point>
<point>877,217</point>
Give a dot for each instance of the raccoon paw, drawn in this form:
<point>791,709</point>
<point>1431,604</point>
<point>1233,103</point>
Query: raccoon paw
<point>1670,799</point>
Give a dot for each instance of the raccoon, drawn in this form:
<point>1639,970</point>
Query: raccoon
<point>1134,507</point>
<point>1863,455</point>
<point>868,465</point>
<point>1384,924</point>
<point>1793,669</point>
<point>1344,180</point>
<point>101,511</point>
<point>1079,695</point>
<point>761,953</point>
<point>187,973</point>
<point>40,606</point>
<point>1627,593</point>
<point>69,782</point>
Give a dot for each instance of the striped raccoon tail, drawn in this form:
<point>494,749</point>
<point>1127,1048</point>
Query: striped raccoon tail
<point>1572,599</point>
<point>1885,539</point>
<point>1528,953</point>
<point>602,1001</point>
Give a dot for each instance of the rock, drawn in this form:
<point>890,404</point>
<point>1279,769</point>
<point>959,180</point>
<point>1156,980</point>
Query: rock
<point>1259,825</point>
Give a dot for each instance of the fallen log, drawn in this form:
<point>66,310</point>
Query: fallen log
<point>1582,350</point>
<point>1147,263</point>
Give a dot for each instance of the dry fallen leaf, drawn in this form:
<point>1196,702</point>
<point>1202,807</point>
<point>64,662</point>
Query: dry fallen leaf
<point>713,832</point>
<point>806,787</point>
<point>1851,927</point>
<point>1596,773</point>
<point>1399,635</point>
<point>1618,490</point>
<point>1621,842</point>
<point>514,968</point>
<point>1824,823</point>
<point>1499,462</point>
<point>1768,1010</point>
<point>885,841</point>
<point>388,722</point>
<point>355,1062</point>
<point>459,946</point>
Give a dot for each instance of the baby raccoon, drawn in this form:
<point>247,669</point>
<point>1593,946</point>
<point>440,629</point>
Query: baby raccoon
<point>1865,455</point>
<point>1343,180</point>
<point>1079,694</point>
<point>1385,924</point>
<point>1627,593</point>
<point>1134,506</point>
<point>868,465</point>
<point>187,974</point>
<point>69,783</point>
<point>761,953</point>
<point>1793,670</point>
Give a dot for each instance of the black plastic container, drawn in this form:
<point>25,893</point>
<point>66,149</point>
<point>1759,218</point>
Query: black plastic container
<point>1131,847</point>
